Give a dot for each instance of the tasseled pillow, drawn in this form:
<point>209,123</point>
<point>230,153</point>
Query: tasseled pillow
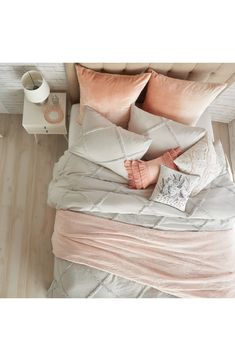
<point>143,173</point>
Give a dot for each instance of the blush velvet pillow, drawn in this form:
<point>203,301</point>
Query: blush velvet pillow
<point>109,94</point>
<point>106,144</point>
<point>181,100</point>
<point>141,173</point>
<point>165,133</point>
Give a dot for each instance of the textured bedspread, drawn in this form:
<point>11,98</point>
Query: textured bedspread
<point>74,280</point>
<point>83,186</point>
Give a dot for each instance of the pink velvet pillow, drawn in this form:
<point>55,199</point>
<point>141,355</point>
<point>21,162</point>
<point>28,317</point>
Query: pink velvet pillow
<point>109,94</point>
<point>141,174</point>
<point>181,100</point>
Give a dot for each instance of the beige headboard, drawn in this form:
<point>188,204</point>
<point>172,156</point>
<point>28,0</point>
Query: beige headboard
<point>209,72</point>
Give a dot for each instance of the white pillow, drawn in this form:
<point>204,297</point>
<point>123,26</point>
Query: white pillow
<point>106,144</point>
<point>173,188</point>
<point>166,134</point>
<point>204,160</point>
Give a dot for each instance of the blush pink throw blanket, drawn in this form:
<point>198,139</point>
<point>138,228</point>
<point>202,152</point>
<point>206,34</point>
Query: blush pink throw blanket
<point>184,264</point>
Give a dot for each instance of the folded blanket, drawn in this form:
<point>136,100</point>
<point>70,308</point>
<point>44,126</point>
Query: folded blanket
<point>184,264</point>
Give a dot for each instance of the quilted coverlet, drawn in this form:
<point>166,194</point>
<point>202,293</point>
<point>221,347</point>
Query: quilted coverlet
<point>82,186</point>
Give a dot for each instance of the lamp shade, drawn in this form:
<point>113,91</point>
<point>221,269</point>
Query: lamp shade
<point>36,88</point>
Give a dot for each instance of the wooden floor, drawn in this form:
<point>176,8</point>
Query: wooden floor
<point>26,222</point>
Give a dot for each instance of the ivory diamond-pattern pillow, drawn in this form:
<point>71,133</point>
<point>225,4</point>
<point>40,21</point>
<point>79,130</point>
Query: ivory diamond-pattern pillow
<point>202,159</point>
<point>165,134</point>
<point>173,188</point>
<point>106,144</point>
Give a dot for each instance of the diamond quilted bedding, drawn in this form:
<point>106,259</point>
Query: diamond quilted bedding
<point>72,280</point>
<point>83,186</point>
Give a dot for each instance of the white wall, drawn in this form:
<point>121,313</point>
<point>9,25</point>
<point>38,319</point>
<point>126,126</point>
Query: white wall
<point>11,92</point>
<point>223,107</point>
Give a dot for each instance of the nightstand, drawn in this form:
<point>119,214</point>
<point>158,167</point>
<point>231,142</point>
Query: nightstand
<point>34,121</point>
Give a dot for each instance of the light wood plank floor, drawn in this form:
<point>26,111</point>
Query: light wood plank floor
<point>26,222</point>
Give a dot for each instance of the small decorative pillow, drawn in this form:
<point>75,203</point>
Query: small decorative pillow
<point>201,159</point>
<point>173,188</point>
<point>106,144</point>
<point>166,134</point>
<point>109,94</point>
<point>141,173</point>
<point>181,100</point>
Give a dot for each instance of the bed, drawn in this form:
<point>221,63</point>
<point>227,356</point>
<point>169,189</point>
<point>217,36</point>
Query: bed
<point>75,277</point>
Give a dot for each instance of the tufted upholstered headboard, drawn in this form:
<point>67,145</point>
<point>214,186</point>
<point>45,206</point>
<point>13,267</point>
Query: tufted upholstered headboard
<point>206,72</point>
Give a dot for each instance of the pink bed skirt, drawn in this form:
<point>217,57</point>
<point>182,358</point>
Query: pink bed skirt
<point>184,264</point>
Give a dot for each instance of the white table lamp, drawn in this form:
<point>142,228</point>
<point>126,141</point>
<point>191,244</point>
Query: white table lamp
<point>36,88</point>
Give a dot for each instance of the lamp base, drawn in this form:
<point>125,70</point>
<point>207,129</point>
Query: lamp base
<point>43,103</point>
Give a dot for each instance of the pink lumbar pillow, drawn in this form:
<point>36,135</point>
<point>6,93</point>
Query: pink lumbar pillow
<point>109,94</point>
<point>141,174</point>
<point>181,100</point>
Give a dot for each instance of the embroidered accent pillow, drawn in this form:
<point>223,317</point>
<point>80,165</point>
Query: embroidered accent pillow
<point>141,173</point>
<point>106,144</point>
<point>201,159</point>
<point>109,94</point>
<point>181,100</point>
<point>165,134</point>
<point>174,188</point>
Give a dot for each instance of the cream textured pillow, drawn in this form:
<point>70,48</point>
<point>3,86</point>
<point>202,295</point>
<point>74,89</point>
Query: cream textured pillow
<point>203,160</point>
<point>106,144</point>
<point>110,94</point>
<point>166,134</point>
<point>173,188</point>
<point>181,100</point>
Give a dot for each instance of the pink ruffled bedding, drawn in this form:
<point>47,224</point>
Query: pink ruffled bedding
<point>184,264</point>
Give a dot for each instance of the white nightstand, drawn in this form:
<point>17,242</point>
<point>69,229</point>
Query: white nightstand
<point>34,121</point>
